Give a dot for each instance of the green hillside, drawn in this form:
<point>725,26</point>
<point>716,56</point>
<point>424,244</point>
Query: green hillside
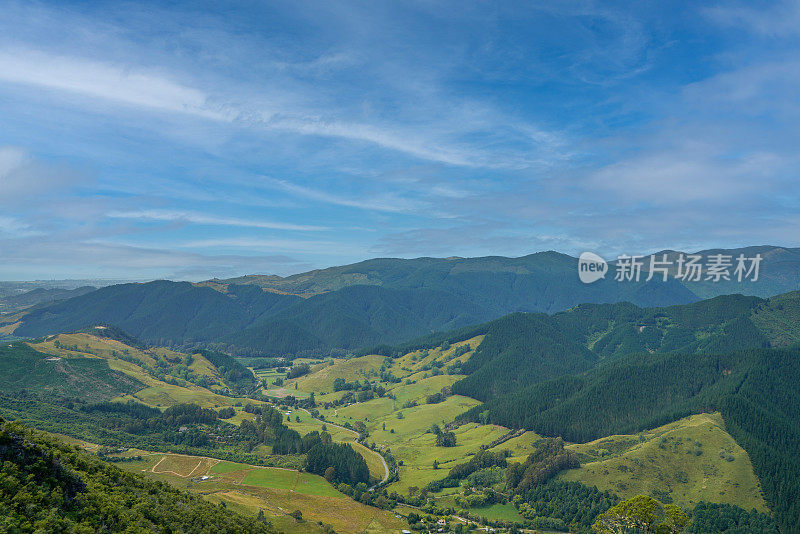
<point>47,486</point>
<point>685,462</point>
<point>756,391</point>
<point>25,369</point>
<point>406,417</point>
<point>522,348</point>
<point>537,278</point>
<point>405,299</point>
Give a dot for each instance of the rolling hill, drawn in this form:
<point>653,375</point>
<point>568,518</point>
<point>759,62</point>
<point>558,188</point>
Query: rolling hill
<point>524,348</point>
<point>40,295</point>
<point>49,486</point>
<point>91,379</point>
<point>247,319</point>
<point>372,302</point>
<point>543,281</point>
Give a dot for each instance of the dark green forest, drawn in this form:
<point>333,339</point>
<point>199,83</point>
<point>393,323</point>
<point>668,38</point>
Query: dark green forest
<point>347,465</point>
<point>757,391</point>
<point>397,300</point>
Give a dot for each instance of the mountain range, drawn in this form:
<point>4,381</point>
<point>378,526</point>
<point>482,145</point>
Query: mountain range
<point>372,302</point>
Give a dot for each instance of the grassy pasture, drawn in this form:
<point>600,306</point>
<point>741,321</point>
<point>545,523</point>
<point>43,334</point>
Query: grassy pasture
<point>271,478</point>
<point>309,424</point>
<point>224,467</point>
<point>182,466</point>
<point>269,375</point>
<point>422,387</point>
<point>283,392</point>
<point>519,447</point>
<point>665,460</point>
<point>370,410</point>
<point>83,345</point>
<point>241,501</point>
<point>342,513</point>
<point>498,512</point>
<point>321,380</point>
<point>309,484</point>
<point>248,489</point>
<point>156,393</point>
<point>201,366</point>
<point>418,453</point>
<point>416,360</point>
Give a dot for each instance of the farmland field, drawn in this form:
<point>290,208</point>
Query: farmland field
<point>277,492</point>
<point>684,462</point>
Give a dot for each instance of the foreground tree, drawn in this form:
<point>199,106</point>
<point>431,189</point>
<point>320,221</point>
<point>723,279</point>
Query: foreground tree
<point>641,514</point>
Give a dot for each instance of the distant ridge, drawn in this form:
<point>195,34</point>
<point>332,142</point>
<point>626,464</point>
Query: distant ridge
<point>373,302</point>
<point>780,272</point>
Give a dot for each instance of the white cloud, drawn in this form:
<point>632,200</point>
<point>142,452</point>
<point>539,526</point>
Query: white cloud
<point>386,202</point>
<point>273,245</point>
<point>118,83</point>
<point>23,177</point>
<point>780,19</point>
<point>687,174</point>
<point>155,90</point>
<point>11,158</point>
<point>199,218</point>
<point>15,228</point>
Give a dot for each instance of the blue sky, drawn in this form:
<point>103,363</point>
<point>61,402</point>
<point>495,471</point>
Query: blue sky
<point>191,140</point>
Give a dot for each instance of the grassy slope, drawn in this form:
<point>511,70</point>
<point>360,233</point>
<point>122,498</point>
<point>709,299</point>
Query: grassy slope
<point>411,442</point>
<point>277,492</point>
<point>309,424</point>
<point>321,381</point>
<point>24,368</point>
<point>155,393</point>
<point>631,466</point>
<point>649,467</point>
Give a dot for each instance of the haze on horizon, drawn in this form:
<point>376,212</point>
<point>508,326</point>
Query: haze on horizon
<point>189,141</point>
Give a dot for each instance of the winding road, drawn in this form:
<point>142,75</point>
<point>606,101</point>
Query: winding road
<point>356,434</point>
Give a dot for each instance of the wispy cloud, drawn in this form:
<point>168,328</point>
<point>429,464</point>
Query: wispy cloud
<point>131,86</point>
<point>148,140</point>
<point>151,89</point>
<point>687,174</point>
<point>40,258</point>
<point>23,177</point>
<point>284,245</point>
<point>16,228</point>
<point>777,19</point>
<point>199,218</point>
<point>386,202</point>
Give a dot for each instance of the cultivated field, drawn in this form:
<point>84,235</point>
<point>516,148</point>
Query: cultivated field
<point>277,492</point>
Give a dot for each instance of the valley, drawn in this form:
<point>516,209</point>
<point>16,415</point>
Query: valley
<point>242,431</point>
<point>277,267</point>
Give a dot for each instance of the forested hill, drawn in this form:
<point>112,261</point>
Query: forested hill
<point>602,369</point>
<point>522,348</point>
<point>756,390</point>
<point>528,283</point>
<point>47,486</point>
<point>249,320</point>
<point>372,302</point>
